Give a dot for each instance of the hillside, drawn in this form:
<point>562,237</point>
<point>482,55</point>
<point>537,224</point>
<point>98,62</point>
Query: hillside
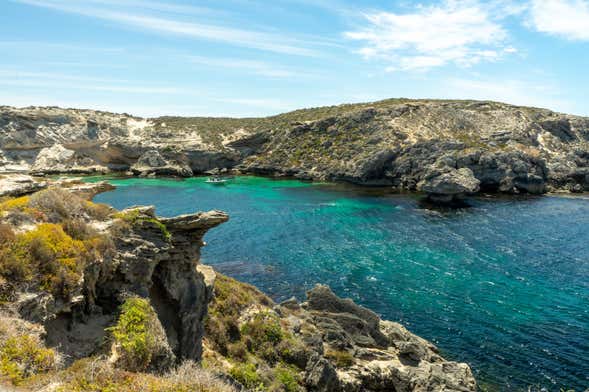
<point>443,148</point>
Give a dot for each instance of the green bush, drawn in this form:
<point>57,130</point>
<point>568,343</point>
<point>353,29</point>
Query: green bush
<point>133,217</point>
<point>245,373</point>
<point>133,334</point>
<point>286,379</point>
<point>23,356</point>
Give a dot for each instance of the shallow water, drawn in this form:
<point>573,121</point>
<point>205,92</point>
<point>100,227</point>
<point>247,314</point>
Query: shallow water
<point>502,285</point>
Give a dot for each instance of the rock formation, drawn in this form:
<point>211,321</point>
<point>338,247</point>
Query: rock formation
<point>335,345</point>
<point>398,142</point>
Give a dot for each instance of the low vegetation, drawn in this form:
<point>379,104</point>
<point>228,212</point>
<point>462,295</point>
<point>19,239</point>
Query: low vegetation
<point>134,334</point>
<point>262,353</point>
<point>130,218</point>
<point>22,353</point>
<point>51,255</point>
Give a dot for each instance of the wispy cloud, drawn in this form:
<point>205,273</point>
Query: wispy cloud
<point>564,18</point>
<point>172,26</point>
<point>57,81</point>
<point>260,68</point>
<point>463,33</point>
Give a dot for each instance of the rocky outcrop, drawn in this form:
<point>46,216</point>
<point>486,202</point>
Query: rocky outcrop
<point>445,184</point>
<point>383,356</point>
<point>145,257</point>
<point>329,343</point>
<point>58,159</point>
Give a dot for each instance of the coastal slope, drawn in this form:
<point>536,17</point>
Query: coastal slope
<point>443,148</point>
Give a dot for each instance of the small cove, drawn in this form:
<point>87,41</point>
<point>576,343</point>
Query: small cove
<point>502,285</point>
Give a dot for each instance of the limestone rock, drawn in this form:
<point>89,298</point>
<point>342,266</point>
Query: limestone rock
<point>19,184</point>
<point>381,355</point>
<point>152,162</point>
<point>58,159</point>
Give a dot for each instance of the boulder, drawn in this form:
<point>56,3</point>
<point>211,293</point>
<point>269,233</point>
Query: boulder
<point>447,184</point>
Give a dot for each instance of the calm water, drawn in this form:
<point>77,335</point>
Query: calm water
<point>503,285</point>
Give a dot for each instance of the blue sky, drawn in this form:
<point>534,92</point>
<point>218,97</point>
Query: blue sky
<point>261,57</point>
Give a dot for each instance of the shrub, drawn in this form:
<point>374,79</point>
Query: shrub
<point>133,217</point>
<point>237,351</point>
<point>50,255</point>
<point>245,373</point>
<point>231,299</point>
<point>78,229</point>
<point>134,334</point>
<point>263,328</point>
<point>59,204</point>
<point>23,356</point>
<point>286,379</point>
<point>47,258</point>
<point>7,235</point>
<point>98,211</point>
<point>19,203</point>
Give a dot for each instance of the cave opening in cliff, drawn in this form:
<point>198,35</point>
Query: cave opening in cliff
<point>167,309</point>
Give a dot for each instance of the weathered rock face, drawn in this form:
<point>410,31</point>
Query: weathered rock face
<point>152,163</point>
<point>384,355</point>
<point>508,148</point>
<point>445,184</point>
<point>155,259</point>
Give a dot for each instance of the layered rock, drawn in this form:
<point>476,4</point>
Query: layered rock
<point>141,256</point>
<point>384,355</point>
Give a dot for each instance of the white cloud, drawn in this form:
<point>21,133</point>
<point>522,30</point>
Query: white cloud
<point>462,33</point>
<point>235,36</point>
<point>564,18</point>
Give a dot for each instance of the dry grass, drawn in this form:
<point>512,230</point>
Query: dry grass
<point>98,375</point>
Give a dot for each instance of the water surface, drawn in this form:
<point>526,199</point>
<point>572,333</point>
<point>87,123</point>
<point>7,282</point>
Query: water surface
<point>502,285</point>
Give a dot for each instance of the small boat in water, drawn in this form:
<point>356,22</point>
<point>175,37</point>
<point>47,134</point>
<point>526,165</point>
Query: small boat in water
<point>216,180</point>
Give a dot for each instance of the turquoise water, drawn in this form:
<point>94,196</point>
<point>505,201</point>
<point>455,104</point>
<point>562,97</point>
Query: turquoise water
<point>502,285</point>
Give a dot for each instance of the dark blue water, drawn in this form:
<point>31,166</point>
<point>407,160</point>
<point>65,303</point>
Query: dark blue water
<point>503,285</point>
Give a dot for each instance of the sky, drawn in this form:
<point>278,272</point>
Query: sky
<point>262,57</point>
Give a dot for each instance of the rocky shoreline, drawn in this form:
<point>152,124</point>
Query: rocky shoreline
<point>446,149</point>
<point>132,260</point>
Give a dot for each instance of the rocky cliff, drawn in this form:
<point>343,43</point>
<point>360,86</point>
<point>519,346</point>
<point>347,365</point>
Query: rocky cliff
<point>408,144</point>
<point>94,299</point>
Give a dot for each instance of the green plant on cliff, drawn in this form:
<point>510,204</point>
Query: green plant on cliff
<point>133,334</point>
<point>22,356</point>
<point>134,217</point>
